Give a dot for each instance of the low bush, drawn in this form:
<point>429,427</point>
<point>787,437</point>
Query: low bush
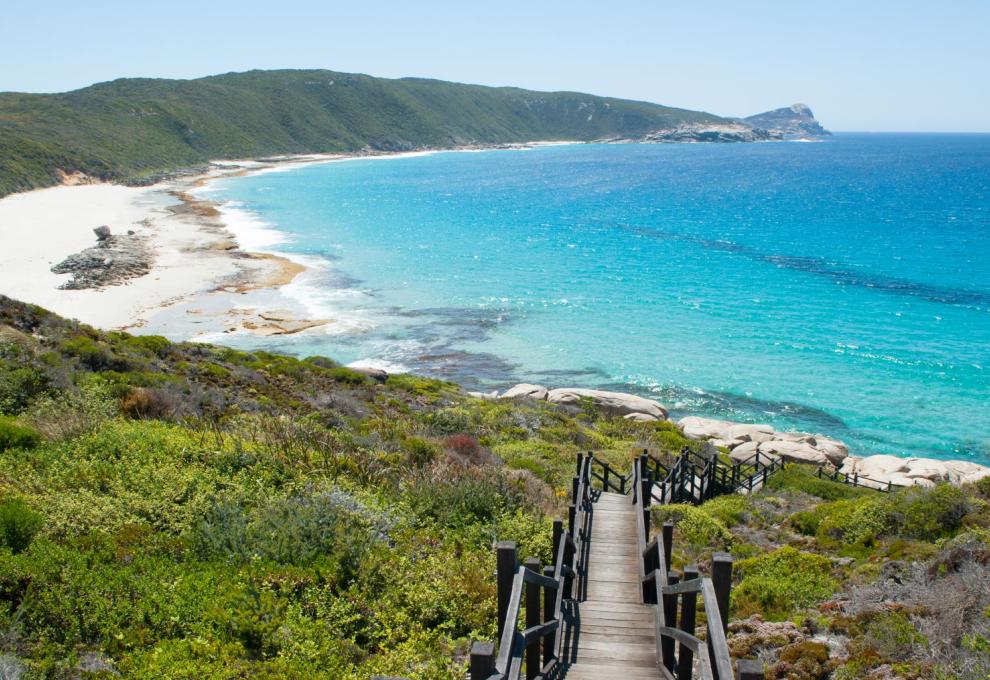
<point>18,525</point>
<point>13,435</point>
<point>803,478</point>
<point>330,528</point>
<point>450,421</point>
<point>928,513</point>
<point>696,527</point>
<point>467,451</point>
<point>890,635</point>
<point>730,510</point>
<point>778,583</point>
<point>457,497</point>
<point>22,378</point>
<point>145,402</point>
<point>914,513</point>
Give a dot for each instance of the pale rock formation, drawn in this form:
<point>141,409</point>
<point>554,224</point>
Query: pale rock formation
<point>799,452</point>
<point>913,471</point>
<point>538,392</point>
<point>696,427</point>
<point>744,451</point>
<point>614,403</point>
<point>793,446</point>
<point>641,417</point>
<point>488,396</point>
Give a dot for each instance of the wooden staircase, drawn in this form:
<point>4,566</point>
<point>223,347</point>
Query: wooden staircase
<point>615,637</point>
<point>610,606</point>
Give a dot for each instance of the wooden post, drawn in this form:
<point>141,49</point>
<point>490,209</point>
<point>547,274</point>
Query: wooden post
<point>722,583</point>
<point>668,543</point>
<point>575,483</point>
<point>506,566</point>
<point>689,607</point>
<point>722,580</point>
<point>645,486</point>
<point>605,478</point>
<point>571,516</point>
<point>747,669</point>
<point>483,660</point>
<point>533,619</point>
<point>569,561</point>
<point>558,532</point>
<point>577,469</point>
<point>549,603</point>
<point>652,564</point>
<point>670,618</point>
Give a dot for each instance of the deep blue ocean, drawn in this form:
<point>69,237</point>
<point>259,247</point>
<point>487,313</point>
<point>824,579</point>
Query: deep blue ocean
<point>840,287</point>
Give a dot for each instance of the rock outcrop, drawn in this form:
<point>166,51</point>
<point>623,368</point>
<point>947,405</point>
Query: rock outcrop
<point>628,406</point>
<point>613,403</point>
<point>883,469</point>
<point>710,132</point>
<point>792,122</point>
<point>526,390</point>
<point>111,262</point>
<point>744,440</point>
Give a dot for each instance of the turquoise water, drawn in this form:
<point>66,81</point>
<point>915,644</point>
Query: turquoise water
<point>841,287</point>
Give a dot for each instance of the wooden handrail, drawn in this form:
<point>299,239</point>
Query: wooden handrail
<point>858,480</point>
<point>516,645</point>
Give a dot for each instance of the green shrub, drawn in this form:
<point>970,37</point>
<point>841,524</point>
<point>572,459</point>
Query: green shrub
<point>862,520</point>
<point>696,527</point>
<point>803,478</point>
<point>916,513</point>
<point>730,509</point>
<point>22,379</point>
<point>18,525</point>
<point>455,498</point>
<point>13,435</point>
<point>929,513</point>
<point>781,582</point>
<point>297,530</point>
<point>806,521</point>
<point>94,355</point>
<point>450,421</point>
<point>892,636</point>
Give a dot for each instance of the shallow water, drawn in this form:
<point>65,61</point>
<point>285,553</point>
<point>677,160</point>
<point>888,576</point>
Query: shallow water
<point>841,287</point>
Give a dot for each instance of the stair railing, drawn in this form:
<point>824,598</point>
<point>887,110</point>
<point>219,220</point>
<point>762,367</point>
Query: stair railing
<point>540,593</point>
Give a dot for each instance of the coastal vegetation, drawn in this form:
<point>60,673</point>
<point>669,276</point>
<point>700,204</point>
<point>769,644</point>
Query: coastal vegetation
<point>189,511</point>
<point>134,130</point>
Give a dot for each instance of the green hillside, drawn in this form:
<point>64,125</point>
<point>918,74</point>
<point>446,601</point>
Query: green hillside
<point>175,510</point>
<point>133,129</point>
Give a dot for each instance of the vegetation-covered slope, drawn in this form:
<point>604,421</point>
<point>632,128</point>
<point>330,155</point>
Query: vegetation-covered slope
<point>188,511</point>
<point>134,128</point>
<point>185,511</point>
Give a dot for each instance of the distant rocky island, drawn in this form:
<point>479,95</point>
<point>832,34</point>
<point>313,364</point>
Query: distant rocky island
<point>791,122</point>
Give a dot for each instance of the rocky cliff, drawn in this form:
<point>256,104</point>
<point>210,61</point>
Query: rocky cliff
<point>795,121</point>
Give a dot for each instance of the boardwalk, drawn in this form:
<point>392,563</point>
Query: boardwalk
<point>614,636</point>
<point>593,613</point>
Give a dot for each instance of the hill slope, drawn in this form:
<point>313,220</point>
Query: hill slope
<point>132,129</point>
<point>188,511</point>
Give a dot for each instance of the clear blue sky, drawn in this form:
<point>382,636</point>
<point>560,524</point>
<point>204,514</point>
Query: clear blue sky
<point>861,65</point>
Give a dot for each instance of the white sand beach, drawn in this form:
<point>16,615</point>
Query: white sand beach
<point>193,253</point>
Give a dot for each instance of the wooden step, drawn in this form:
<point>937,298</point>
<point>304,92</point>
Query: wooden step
<point>587,670</point>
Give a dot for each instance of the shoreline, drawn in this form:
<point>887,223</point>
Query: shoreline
<point>222,270</point>
<point>217,270</point>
